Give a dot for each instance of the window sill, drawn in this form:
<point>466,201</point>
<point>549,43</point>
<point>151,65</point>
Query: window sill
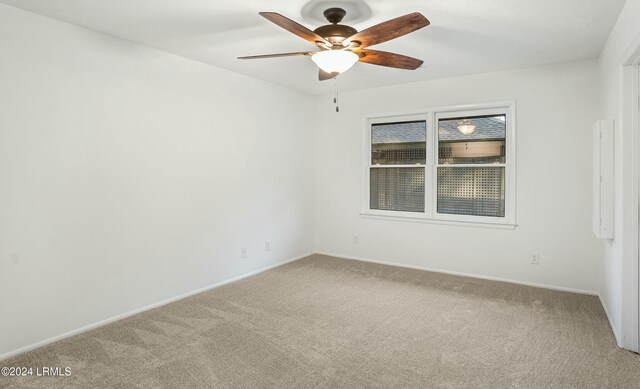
<point>418,219</point>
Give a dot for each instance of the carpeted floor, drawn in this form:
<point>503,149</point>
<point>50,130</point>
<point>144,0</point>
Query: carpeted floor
<point>323,322</point>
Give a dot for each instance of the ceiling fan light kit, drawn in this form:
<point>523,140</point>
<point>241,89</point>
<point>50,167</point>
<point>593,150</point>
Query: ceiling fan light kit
<point>341,46</point>
<point>335,61</point>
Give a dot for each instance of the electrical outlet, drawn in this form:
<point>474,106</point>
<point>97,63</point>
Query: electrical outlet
<point>244,252</point>
<point>267,246</point>
<point>355,239</point>
<point>535,259</point>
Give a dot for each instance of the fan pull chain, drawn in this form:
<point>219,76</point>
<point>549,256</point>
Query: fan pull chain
<point>335,94</point>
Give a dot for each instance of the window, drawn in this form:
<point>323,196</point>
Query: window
<point>471,166</point>
<point>451,165</point>
<point>398,158</point>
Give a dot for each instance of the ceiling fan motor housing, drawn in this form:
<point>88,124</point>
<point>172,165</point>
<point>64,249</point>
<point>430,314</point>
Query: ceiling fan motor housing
<point>335,32</point>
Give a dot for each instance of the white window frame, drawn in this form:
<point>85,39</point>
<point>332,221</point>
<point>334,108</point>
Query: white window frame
<point>431,116</point>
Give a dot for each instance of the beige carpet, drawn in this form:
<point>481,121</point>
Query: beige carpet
<point>323,322</point>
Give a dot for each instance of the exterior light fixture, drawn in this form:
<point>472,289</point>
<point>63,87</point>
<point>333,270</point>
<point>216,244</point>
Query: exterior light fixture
<point>466,127</point>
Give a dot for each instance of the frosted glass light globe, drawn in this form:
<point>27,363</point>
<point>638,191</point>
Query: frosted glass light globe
<point>335,61</point>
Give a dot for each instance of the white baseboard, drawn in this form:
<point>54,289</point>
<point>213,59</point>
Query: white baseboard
<point>613,328</point>
<point>101,323</point>
<point>455,273</point>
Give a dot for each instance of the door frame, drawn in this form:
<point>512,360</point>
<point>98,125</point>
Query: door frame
<point>635,122</point>
<point>630,124</point>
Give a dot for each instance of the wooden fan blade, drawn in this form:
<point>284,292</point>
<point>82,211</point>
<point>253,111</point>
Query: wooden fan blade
<point>323,76</point>
<point>295,28</point>
<point>300,53</point>
<point>391,60</point>
<point>388,30</point>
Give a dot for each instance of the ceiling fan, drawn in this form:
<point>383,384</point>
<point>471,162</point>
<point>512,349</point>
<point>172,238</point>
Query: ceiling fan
<point>341,46</point>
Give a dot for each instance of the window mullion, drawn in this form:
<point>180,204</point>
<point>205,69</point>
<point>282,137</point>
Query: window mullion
<point>429,181</point>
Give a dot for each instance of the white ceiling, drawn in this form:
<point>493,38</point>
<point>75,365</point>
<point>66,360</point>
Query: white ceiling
<point>465,36</point>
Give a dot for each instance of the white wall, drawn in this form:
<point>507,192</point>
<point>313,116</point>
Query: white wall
<point>617,266</point>
<point>129,176</point>
<point>556,107</point>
